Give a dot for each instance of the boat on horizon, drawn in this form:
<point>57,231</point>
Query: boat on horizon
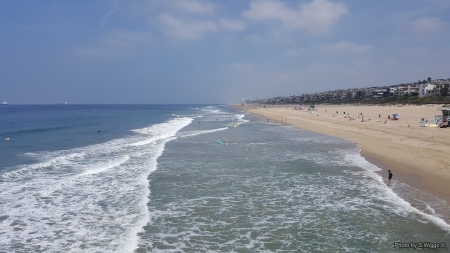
<point>4,103</point>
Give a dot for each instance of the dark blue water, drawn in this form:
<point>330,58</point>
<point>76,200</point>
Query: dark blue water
<point>33,128</point>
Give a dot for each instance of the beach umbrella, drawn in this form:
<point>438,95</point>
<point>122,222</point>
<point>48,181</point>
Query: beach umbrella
<point>395,115</point>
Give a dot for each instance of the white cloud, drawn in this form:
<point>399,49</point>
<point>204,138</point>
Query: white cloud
<point>185,28</point>
<point>317,16</point>
<point>197,7</point>
<point>232,24</point>
<point>117,43</point>
<point>427,24</point>
<point>344,46</point>
<point>179,7</point>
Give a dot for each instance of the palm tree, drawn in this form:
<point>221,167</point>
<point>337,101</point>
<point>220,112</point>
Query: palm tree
<point>429,79</point>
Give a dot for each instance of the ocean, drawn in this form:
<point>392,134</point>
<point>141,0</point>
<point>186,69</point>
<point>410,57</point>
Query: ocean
<point>153,178</point>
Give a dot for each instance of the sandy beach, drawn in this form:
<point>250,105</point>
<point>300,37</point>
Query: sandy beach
<point>418,156</point>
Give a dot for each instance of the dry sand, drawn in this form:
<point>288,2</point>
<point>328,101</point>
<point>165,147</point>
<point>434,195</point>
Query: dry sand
<point>418,156</point>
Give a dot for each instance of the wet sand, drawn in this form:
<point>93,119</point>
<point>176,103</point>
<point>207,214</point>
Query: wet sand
<point>418,156</point>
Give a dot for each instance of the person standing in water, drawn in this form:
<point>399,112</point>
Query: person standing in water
<point>267,120</point>
<point>390,177</point>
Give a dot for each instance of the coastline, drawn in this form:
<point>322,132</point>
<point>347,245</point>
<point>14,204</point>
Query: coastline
<point>416,155</point>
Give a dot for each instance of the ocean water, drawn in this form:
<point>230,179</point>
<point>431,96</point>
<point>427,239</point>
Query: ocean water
<point>152,178</point>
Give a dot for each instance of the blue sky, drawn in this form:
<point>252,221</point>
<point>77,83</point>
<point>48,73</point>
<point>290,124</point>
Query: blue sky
<point>206,51</point>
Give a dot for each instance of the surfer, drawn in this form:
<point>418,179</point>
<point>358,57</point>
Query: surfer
<point>390,176</point>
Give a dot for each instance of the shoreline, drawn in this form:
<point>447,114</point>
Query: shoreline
<point>408,151</point>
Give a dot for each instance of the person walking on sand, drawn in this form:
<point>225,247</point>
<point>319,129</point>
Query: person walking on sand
<point>267,120</point>
<point>390,177</point>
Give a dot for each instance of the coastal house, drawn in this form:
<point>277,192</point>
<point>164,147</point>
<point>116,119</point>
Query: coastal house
<point>332,96</point>
<point>343,96</point>
<point>434,92</point>
<point>437,87</point>
<point>405,90</point>
<point>425,89</point>
<point>351,94</point>
<point>380,92</point>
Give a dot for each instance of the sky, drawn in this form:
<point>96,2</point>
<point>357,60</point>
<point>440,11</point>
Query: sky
<point>208,51</point>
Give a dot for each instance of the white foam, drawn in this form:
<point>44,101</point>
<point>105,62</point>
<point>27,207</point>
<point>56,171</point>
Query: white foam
<point>354,158</point>
<point>194,133</point>
<point>239,118</point>
<point>106,166</point>
<point>359,161</point>
<point>55,161</point>
<point>90,199</point>
<point>161,131</point>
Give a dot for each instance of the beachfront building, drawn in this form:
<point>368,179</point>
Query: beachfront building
<point>380,92</point>
<point>332,96</point>
<point>437,87</point>
<point>351,94</point>
<point>425,89</point>
<point>405,90</point>
<point>439,90</point>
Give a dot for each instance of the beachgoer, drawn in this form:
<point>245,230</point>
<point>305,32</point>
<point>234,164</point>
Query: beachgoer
<point>379,116</point>
<point>389,116</point>
<point>267,120</point>
<point>6,138</point>
<point>390,176</point>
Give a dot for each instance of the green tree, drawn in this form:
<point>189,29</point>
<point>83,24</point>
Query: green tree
<point>429,79</point>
